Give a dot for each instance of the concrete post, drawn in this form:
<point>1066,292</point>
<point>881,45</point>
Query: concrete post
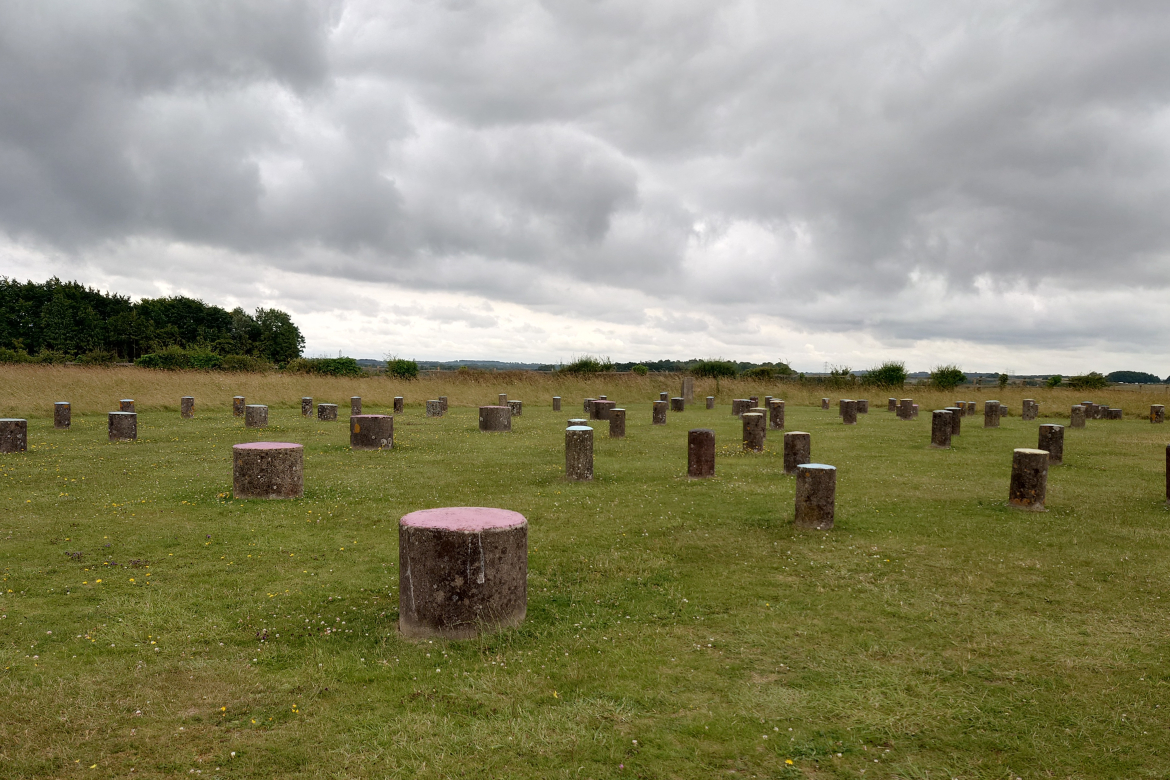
<point>677,404</point>
<point>776,416</point>
<point>126,405</point>
<point>1077,417</point>
<point>14,434</point>
<point>463,572</point>
<point>892,405</point>
<point>753,431</point>
<point>1157,413</point>
<point>123,426</point>
<point>617,423</point>
<point>62,414</point>
<point>797,450</point>
<point>940,430</point>
<point>816,496</point>
<point>556,403</point>
<point>268,469</point>
<point>187,407</point>
<point>399,404</point>
<point>664,396</point>
<point>600,409</point>
<point>863,406</point>
<point>434,408</point>
<point>658,416</point>
<point>710,402</point>
<point>688,389</point>
<point>495,418</point>
<point>371,432</point>
<point>740,405</point>
<point>306,407</point>
<point>327,412</point>
<point>355,405</point>
<point>579,453</point>
<point>1029,479</point>
<point>956,419</point>
<point>238,404</point>
<point>502,400</point>
<point>825,404</point>
<point>255,416</point>
<point>1052,441</point>
<point>443,401</point>
<point>517,408</point>
<point>700,453</point>
<point>991,412</point>
<point>849,411</point>
<point>906,409</point>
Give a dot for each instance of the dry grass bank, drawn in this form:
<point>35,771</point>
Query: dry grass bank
<point>30,390</point>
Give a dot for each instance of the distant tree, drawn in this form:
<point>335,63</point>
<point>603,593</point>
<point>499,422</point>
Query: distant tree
<point>889,374</point>
<point>588,364</point>
<point>1132,378</point>
<point>1054,381</point>
<point>404,369</point>
<point>1090,381</point>
<point>947,377</point>
<point>766,373</point>
<point>715,369</point>
<point>640,369</point>
<point>1003,380</point>
<point>279,339</point>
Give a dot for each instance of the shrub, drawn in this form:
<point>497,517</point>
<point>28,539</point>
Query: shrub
<point>947,377</point>
<point>888,374</point>
<point>205,360</point>
<point>715,369</point>
<point>13,355</point>
<point>760,372</point>
<point>1003,380</point>
<point>640,370</point>
<point>339,366</point>
<point>1053,381</point>
<point>407,369</point>
<point>98,357</point>
<point>587,365</point>
<point>169,359</point>
<point>1090,381</point>
<point>243,363</point>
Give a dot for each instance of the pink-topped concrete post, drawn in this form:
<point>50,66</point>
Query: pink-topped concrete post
<point>268,469</point>
<point>462,572</point>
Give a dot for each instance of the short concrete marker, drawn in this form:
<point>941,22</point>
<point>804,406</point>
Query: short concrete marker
<point>14,435</point>
<point>816,496</point>
<point>956,419</point>
<point>991,412</point>
<point>255,416</point>
<point>700,453</point>
<point>399,404</point>
<point>753,431</point>
<point>678,404</point>
<point>556,403</point>
<point>495,419</point>
<point>62,414</point>
<point>1052,440</point>
<point>327,412</point>
<point>1157,413</point>
<point>1029,482</point>
<point>371,432</point>
<point>776,416</point>
<point>579,453</point>
<point>126,405</point>
<point>517,408</point>
<point>268,470</point>
<point>940,429</point>
<point>434,408</point>
<point>849,411</point>
<point>355,405</point>
<point>1077,416</point>
<point>617,423</point>
<point>658,414</point>
<point>122,426</point>
<point>797,450</point>
<point>710,402</point>
<point>306,407</point>
<point>238,404</point>
<point>187,407</point>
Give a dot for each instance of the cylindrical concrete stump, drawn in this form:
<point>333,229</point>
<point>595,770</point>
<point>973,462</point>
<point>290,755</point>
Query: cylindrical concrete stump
<point>600,409</point>
<point>517,408</point>
<point>776,416</point>
<point>755,399</point>
<point>268,469</point>
<point>62,414</point>
<point>434,408</point>
<point>587,407</point>
<point>443,401</point>
<point>1052,441</point>
<point>688,389</point>
<point>763,413</point>
<point>187,407</point>
<point>579,453</point>
<point>556,403</point>
<point>1026,410</point>
<point>399,404</point>
<point>123,426</point>
<point>1116,414</point>
<point>863,406</point>
<point>767,404</point>
<point>14,435</point>
<point>849,412</point>
<point>970,407</point>
<point>603,398</point>
<point>664,396</point>
<point>306,407</point>
<point>1077,417</point>
<point>255,416</point>
<point>677,404</point>
<point>1029,479</point>
<point>238,403</point>
<point>502,400</point>
<point>617,423</point>
<point>753,431</point>
<point>824,403</point>
<point>1157,413</point>
<point>126,405</point>
<point>816,496</point>
<point>495,418</point>
<point>891,404</point>
<point>658,415</point>
<point>710,402</point>
<point>940,429</point>
<point>913,411</point>
<point>462,572</point>
<point>906,409</point>
<point>956,419</point>
<point>327,412</point>
<point>371,432</point>
<point>701,453</point>
<point>797,450</point>
<point>355,405</point>
<point>962,407</point>
<point>740,405</point>
<point>991,410</point>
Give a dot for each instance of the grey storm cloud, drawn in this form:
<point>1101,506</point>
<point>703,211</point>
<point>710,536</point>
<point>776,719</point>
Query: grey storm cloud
<point>845,165</point>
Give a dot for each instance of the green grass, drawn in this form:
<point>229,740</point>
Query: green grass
<point>672,624</point>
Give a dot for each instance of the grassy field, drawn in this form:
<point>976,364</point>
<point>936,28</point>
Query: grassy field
<point>151,626</point>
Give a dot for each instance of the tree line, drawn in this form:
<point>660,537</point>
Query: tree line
<point>54,321</point>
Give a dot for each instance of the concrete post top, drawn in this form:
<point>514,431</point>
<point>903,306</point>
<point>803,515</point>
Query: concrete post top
<point>943,411</point>
<point>797,433</point>
<point>818,466</point>
<point>326,404</point>
<point>578,428</point>
<point>267,445</point>
<point>494,406</point>
<point>131,414</point>
<point>469,519</point>
<point>615,409</point>
<point>355,397</point>
<point>58,403</point>
<point>306,398</point>
<point>677,398</point>
<point>702,430</point>
<point>1030,451</point>
<point>1051,425</point>
<point>21,419</point>
<point>367,416</point>
<point>752,414</point>
<point>188,397</point>
<point>234,397</point>
<point>577,422</point>
<point>257,406</point>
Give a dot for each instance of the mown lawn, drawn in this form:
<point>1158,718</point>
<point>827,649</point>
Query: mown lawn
<point>152,626</point>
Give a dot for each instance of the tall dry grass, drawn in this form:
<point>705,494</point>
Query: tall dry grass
<point>30,390</point>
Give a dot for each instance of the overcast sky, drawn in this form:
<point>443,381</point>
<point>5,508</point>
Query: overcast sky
<point>835,182</point>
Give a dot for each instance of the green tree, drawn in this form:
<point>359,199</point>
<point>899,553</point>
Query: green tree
<point>1054,380</point>
<point>1003,380</point>
<point>947,377</point>
<point>1090,381</point>
<point>1133,377</point>
<point>640,370</point>
<point>279,339</point>
<point>715,369</point>
<point>889,374</point>
<point>588,365</point>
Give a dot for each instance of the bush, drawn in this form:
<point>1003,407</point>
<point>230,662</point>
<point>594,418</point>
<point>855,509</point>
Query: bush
<point>1003,380</point>
<point>766,373</point>
<point>98,357</point>
<point>715,369</point>
<point>947,377</point>
<point>1090,381</point>
<point>13,355</point>
<point>888,374</point>
<point>1054,381</point>
<point>1133,378</point>
<point>588,365</point>
<point>243,363</point>
<point>169,359</point>
<point>640,370</point>
<point>205,361</point>
<point>339,366</point>
<point>406,369</point>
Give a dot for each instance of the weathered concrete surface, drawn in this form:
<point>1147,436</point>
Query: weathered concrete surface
<point>740,405</point>
<point>579,453</point>
<point>327,412</point>
<point>502,400</point>
<point>825,404</point>
<point>463,572</point>
<point>556,403</point>
<point>517,408</point>
<point>863,406</point>
<point>1157,413</point>
<point>688,389</point>
<point>849,411</point>
<point>700,453</point>
<point>443,401</point>
<point>892,405</point>
<point>1052,440</point>
<point>956,419</point>
<point>255,416</point>
<point>816,496</point>
<point>664,396</point>
<point>617,423</point>
<point>1029,482</point>
<point>126,405</point>
<point>123,426</point>
<point>710,402</point>
<point>991,411</point>
<point>434,408</point>
<point>187,407</point>
<point>658,414</point>
<point>306,407</point>
<point>495,419</point>
<point>371,432</point>
<point>62,414</point>
<point>355,405</point>
<point>399,404</point>
<point>753,431</point>
<point>797,450</point>
<point>14,435</point>
<point>238,404</point>
<point>1029,410</point>
<point>678,404</point>
<point>577,421</point>
<point>1077,416</point>
<point>776,415</point>
<point>600,409</point>
<point>906,409</point>
<point>940,429</point>
<point>268,469</point>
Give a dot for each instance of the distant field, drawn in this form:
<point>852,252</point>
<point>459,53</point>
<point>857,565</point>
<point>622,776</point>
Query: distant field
<point>676,628</point>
